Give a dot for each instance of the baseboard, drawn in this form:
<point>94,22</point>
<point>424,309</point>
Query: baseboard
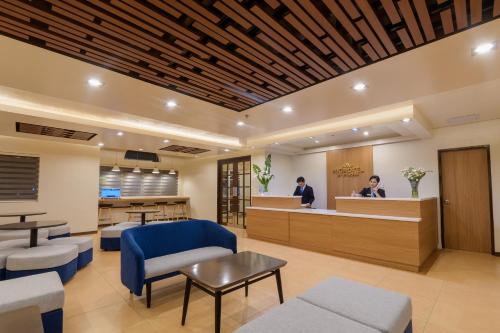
<point>496,254</point>
<point>84,233</point>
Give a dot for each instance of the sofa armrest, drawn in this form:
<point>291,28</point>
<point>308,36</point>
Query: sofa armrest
<point>132,263</point>
<point>216,235</point>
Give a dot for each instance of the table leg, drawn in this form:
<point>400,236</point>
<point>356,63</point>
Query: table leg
<point>278,283</point>
<point>246,288</point>
<point>22,218</point>
<point>187,292</point>
<point>33,237</point>
<point>143,218</point>
<point>218,299</point>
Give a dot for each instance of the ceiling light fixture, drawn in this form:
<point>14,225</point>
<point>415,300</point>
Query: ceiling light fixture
<point>93,82</point>
<point>100,144</point>
<point>171,104</point>
<point>226,150</point>
<point>276,143</point>
<point>136,169</point>
<point>172,172</point>
<point>140,149</point>
<point>355,129</point>
<point>240,123</point>
<point>484,48</point>
<point>287,109</point>
<point>119,133</point>
<point>366,133</point>
<point>316,141</point>
<point>406,120</point>
<point>359,86</point>
<point>166,141</point>
<point>155,170</point>
<point>115,168</point>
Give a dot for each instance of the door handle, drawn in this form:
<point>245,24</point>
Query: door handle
<point>446,202</point>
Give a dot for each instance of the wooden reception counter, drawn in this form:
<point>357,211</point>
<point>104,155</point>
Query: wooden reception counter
<point>400,233</point>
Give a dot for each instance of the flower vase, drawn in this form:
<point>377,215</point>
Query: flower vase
<point>263,189</point>
<point>414,188</point>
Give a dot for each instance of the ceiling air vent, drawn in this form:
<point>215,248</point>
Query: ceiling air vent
<point>459,120</point>
<point>53,131</point>
<point>185,149</point>
<point>141,156</point>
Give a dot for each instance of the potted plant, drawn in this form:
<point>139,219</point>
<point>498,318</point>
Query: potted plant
<point>264,175</point>
<point>414,175</point>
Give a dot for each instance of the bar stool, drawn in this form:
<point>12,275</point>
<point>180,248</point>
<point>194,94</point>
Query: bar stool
<point>104,213</point>
<point>170,209</point>
<point>135,206</point>
<point>181,210</point>
<point>161,206</point>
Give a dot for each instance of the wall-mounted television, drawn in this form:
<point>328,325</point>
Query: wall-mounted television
<point>111,192</point>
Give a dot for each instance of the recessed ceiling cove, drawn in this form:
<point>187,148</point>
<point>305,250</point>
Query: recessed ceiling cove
<point>237,54</point>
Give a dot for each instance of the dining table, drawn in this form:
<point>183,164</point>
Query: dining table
<point>143,213</point>
<point>22,215</point>
<point>33,227</point>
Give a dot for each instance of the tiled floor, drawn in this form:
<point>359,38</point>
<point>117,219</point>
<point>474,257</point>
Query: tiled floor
<point>460,293</point>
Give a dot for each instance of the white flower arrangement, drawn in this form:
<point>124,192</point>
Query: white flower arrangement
<point>414,174</point>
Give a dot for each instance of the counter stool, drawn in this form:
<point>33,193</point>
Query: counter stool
<point>135,206</point>
<point>170,209</point>
<point>161,206</point>
<point>105,213</point>
<point>181,210</point>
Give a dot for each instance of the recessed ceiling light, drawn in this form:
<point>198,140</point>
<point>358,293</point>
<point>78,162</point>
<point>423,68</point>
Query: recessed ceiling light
<point>166,141</point>
<point>93,82</point>
<point>311,137</point>
<point>171,104</point>
<point>484,48</point>
<point>406,120</point>
<point>226,150</point>
<point>359,86</point>
<point>119,133</point>
<point>355,129</point>
<point>140,149</point>
<point>287,109</point>
<point>366,133</point>
<point>240,123</point>
<point>316,141</point>
<point>276,143</point>
<point>100,144</point>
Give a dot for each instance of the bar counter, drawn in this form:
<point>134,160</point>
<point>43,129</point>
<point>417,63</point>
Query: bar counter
<point>399,233</point>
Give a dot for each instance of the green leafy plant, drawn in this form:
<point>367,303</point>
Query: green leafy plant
<point>264,175</point>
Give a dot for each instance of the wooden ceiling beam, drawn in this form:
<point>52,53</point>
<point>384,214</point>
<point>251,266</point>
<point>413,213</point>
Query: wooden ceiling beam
<point>425,19</point>
<point>411,22</point>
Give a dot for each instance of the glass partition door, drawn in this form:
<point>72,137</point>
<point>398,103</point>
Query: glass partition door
<point>233,190</point>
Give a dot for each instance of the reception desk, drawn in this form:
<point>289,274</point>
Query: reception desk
<point>395,232</point>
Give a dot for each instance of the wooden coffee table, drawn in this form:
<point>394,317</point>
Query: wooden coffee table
<point>223,275</point>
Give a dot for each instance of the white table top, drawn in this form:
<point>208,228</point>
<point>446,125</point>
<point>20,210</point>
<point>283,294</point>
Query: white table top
<point>335,213</point>
<point>388,198</point>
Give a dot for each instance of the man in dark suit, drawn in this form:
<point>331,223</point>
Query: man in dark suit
<point>305,191</point>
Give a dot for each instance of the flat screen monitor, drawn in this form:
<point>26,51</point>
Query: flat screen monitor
<point>110,192</point>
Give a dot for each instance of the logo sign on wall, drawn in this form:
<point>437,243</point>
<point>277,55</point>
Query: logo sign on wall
<point>348,170</point>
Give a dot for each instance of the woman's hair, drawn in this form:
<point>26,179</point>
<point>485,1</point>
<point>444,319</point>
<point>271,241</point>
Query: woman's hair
<point>377,178</point>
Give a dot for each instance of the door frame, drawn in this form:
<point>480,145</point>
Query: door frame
<point>492,224</point>
<point>219,176</point>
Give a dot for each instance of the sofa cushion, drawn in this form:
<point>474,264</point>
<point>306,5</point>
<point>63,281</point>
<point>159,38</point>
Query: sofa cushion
<point>172,262</point>
<point>59,231</point>
<point>115,231</point>
<point>83,243</point>
<point>4,253</point>
<point>43,290</point>
<point>42,257</point>
<point>20,243</point>
<point>297,316</point>
<point>386,311</point>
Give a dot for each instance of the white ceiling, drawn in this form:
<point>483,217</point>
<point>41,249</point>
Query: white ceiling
<point>441,79</point>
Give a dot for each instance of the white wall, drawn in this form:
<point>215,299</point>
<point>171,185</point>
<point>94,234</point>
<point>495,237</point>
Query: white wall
<point>389,159</point>
<point>68,181</point>
<point>282,168</point>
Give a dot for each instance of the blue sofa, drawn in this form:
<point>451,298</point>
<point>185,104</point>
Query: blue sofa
<point>155,252</point>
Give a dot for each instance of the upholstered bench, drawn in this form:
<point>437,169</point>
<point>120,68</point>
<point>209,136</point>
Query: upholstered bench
<point>62,259</point>
<point>21,234</point>
<point>4,253</point>
<point>110,236</point>
<point>20,243</point>
<point>85,248</point>
<point>44,291</point>
<point>60,231</point>
<point>371,309</point>
<point>154,252</point>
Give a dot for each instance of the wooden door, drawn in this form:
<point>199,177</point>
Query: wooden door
<point>466,215</point>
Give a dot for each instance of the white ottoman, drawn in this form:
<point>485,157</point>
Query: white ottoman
<point>44,291</point>
<point>85,247</point>
<point>59,231</point>
<point>21,234</point>
<point>62,259</point>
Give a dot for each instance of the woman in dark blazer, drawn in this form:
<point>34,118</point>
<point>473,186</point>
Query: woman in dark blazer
<point>374,191</point>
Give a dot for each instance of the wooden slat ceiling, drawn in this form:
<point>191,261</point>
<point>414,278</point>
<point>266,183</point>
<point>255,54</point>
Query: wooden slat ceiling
<point>237,54</point>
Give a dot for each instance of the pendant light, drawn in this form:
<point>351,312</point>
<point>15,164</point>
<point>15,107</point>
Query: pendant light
<point>172,171</point>
<point>155,170</point>
<point>116,168</point>
<point>137,169</point>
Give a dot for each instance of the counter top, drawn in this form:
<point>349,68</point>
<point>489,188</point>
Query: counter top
<point>395,199</point>
<point>277,196</point>
<point>335,213</point>
<point>147,198</point>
